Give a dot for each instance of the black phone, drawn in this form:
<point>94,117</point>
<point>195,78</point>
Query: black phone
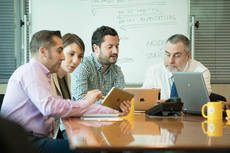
<point>171,107</point>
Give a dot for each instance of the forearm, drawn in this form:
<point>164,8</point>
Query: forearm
<point>99,109</point>
<point>79,89</point>
<point>55,106</point>
<point>58,107</point>
<point>207,77</point>
<point>149,80</point>
<point>79,84</point>
<point>120,80</point>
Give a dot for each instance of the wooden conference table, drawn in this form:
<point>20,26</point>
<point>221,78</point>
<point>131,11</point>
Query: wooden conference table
<point>140,132</point>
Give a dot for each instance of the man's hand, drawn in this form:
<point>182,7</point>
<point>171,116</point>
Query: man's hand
<point>93,95</point>
<point>125,127</point>
<point>227,105</point>
<point>160,101</point>
<point>125,108</point>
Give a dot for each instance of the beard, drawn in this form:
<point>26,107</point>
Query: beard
<point>173,68</point>
<point>53,67</point>
<point>106,60</point>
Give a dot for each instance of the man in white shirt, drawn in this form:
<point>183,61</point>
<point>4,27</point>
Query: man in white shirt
<point>177,59</point>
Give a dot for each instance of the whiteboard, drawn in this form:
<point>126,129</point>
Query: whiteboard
<point>143,26</point>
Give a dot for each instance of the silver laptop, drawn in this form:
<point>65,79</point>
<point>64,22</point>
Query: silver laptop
<point>144,99</point>
<point>192,90</point>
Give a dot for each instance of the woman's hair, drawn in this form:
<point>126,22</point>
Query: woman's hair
<point>70,38</point>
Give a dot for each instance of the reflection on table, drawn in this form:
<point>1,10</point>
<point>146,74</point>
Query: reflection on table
<point>142,132</point>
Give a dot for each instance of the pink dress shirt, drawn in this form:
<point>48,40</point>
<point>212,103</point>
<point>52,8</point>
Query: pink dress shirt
<point>29,101</point>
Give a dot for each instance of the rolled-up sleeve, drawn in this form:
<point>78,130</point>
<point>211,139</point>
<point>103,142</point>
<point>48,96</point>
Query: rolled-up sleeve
<point>40,93</point>
<point>79,82</point>
<point>119,78</point>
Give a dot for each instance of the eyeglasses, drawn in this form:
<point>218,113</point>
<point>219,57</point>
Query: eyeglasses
<point>176,55</point>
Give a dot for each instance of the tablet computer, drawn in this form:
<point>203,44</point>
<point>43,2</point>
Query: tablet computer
<point>115,97</point>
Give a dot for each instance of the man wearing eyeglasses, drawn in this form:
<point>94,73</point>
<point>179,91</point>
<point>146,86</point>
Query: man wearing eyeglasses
<point>177,59</point>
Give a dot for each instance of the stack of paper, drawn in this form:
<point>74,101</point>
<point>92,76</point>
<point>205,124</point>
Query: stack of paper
<point>101,117</point>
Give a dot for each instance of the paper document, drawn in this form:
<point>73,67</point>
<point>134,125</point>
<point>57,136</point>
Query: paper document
<point>101,117</point>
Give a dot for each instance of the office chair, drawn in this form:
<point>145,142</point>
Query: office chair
<point>1,100</point>
<point>216,97</point>
<point>13,138</point>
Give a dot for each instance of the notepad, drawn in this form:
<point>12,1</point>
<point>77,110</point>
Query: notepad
<point>101,117</point>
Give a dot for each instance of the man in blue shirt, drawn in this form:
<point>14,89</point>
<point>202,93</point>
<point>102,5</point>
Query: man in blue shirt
<point>99,70</point>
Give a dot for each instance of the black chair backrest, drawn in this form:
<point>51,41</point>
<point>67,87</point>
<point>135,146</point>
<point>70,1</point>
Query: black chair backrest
<point>1,100</point>
<point>217,97</point>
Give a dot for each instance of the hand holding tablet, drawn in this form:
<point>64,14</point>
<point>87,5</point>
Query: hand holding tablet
<point>115,97</point>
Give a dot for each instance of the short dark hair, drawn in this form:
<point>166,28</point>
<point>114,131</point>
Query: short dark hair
<point>70,38</point>
<point>99,33</point>
<point>43,38</point>
<point>180,38</point>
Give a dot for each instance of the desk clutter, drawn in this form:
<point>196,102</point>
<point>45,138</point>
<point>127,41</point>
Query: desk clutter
<point>171,107</point>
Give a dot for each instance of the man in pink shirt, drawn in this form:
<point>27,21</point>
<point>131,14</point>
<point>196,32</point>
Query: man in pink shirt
<point>29,101</point>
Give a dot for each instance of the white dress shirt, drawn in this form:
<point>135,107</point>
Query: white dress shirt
<point>159,77</point>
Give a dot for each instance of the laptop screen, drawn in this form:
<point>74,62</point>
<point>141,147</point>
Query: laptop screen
<point>192,90</point>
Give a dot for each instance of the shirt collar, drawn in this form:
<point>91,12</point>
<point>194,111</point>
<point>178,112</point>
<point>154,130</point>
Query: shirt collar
<point>169,74</point>
<point>187,66</point>
<point>41,66</point>
<point>98,65</point>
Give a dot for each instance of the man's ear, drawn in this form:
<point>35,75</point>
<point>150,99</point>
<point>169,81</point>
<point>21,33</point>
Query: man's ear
<point>96,49</point>
<point>189,55</point>
<point>43,52</point>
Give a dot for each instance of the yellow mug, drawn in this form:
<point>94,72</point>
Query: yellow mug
<point>214,127</point>
<point>214,110</point>
<point>228,116</point>
<point>228,113</point>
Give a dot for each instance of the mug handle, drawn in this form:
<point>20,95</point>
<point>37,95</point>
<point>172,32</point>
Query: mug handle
<point>203,127</point>
<point>203,108</point>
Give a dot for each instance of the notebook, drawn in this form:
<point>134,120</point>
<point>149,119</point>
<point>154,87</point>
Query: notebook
<point>192,90</point>
<point>144,99</point>
<point>101,117</point>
